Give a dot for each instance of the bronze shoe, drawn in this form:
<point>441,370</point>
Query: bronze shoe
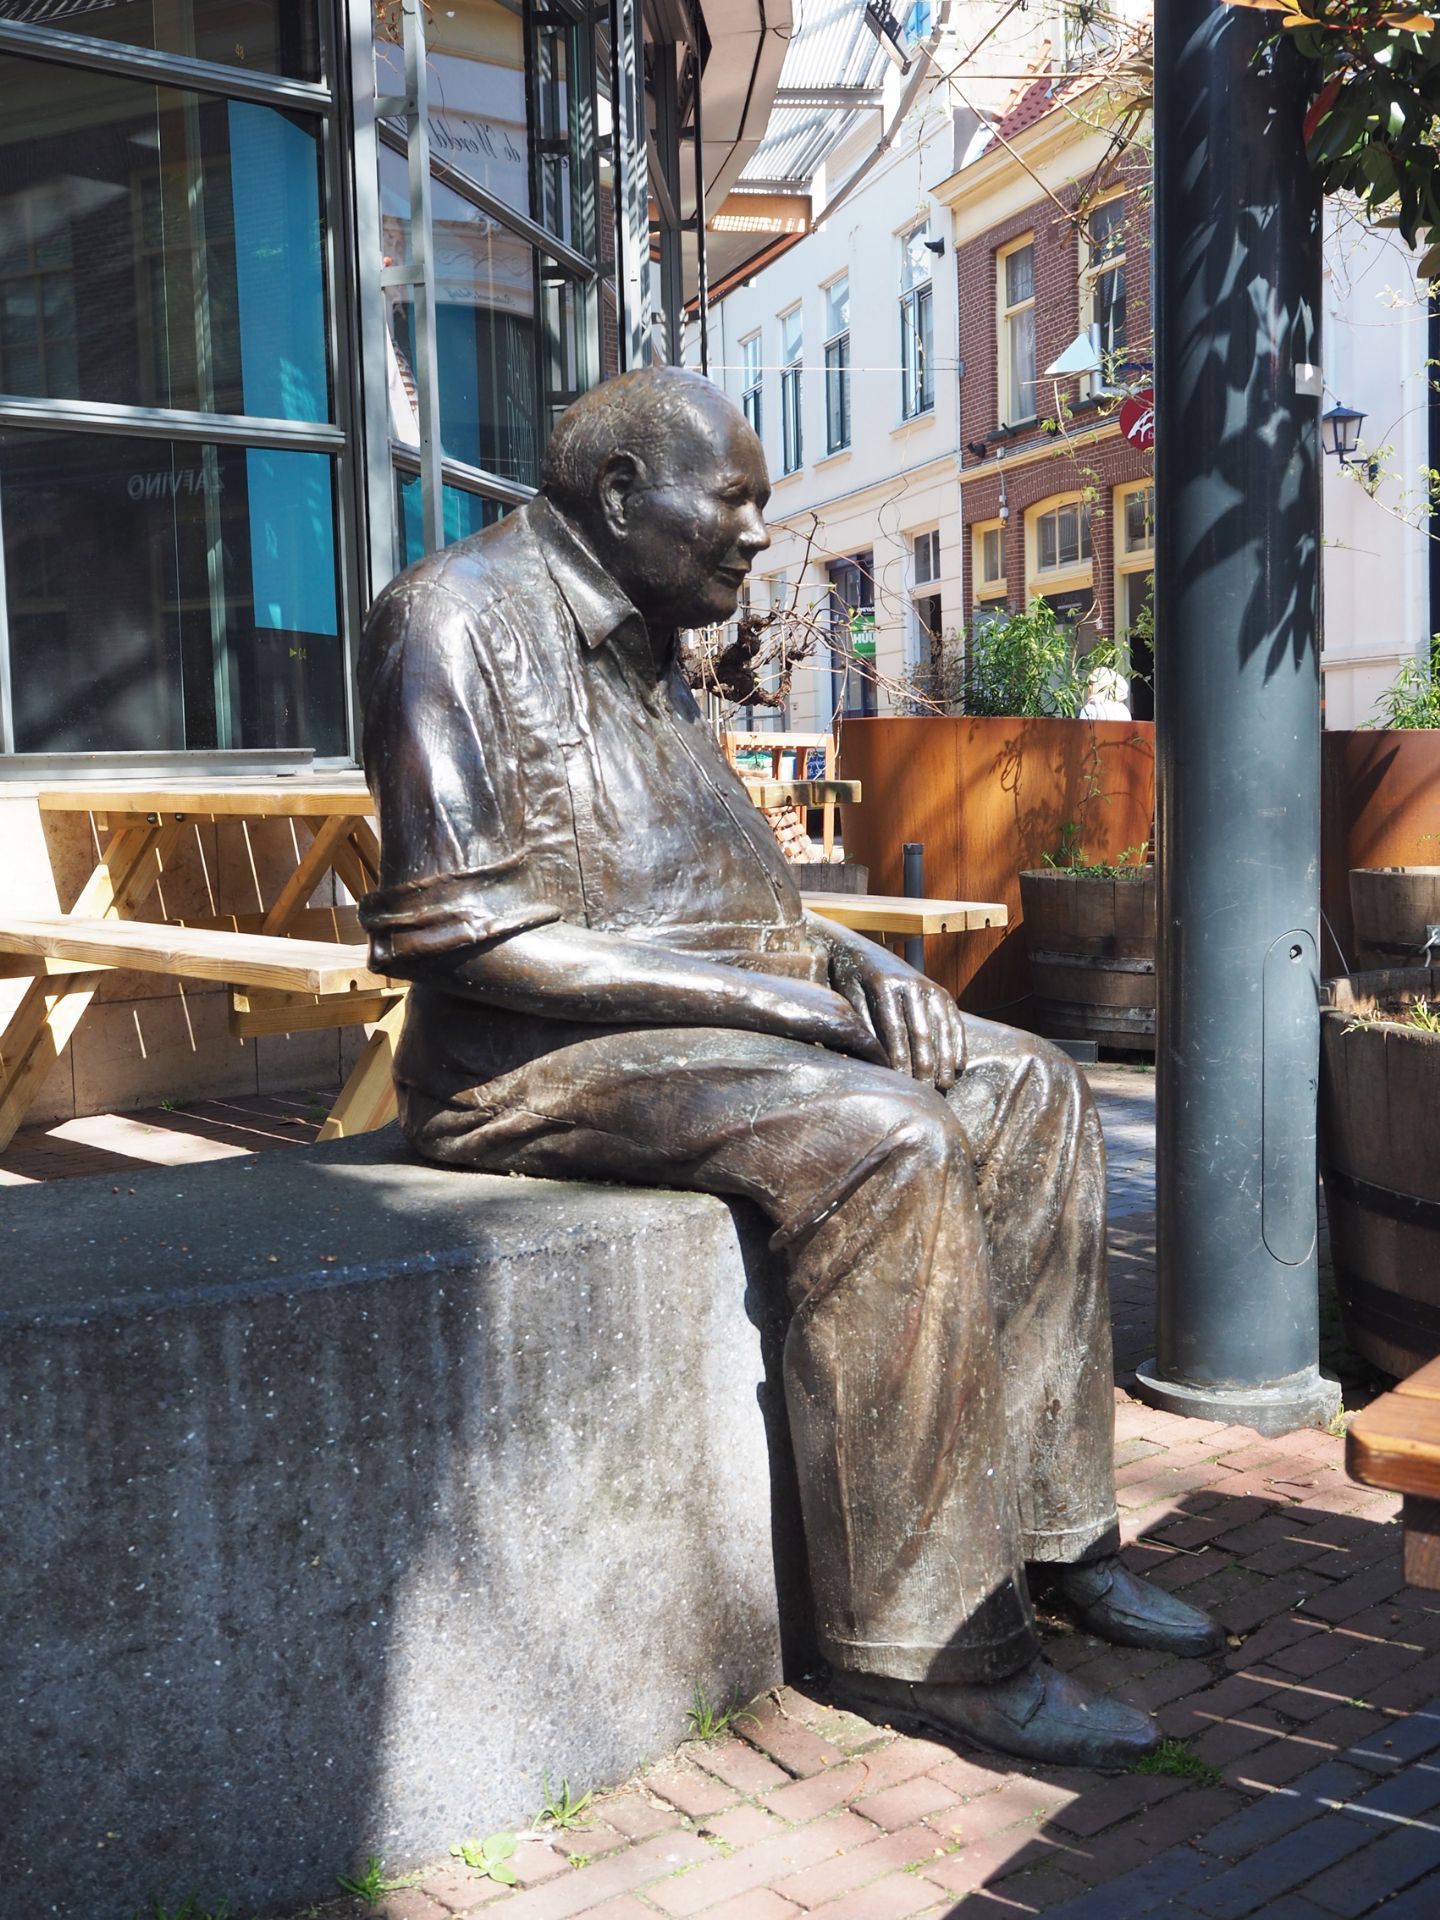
<point>1037,1714</point>
<point>1117,1605</point>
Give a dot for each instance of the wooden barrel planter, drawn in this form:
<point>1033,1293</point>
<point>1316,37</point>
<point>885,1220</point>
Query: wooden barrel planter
<point>1090,942</point>
<point>1392,909</point>
<point>830,876</point>
<point>1380,1158</point>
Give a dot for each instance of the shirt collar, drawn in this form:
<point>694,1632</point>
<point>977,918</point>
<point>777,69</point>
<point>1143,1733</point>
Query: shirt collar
<point>599,606</point>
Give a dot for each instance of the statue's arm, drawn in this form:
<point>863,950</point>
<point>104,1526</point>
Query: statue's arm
<point>563,972</point>
<point>918,1023</point>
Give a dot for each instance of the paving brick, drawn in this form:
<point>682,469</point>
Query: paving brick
<point>1317,1651</point>
<point>1401,1741</point>
<point>654,1860</point>
<point>1019,1801</point>
<point>742,1826</point>
<point>591,1838</point>
<point>898,1807</point>
<point>1115,1801</point>
<point>1392,1863</point>
<point>760,1904</point>
<point>798,1748</point>
<point>1233,1739</point>
<point>1184,1816</point>
<point>774,1859</point>
<point>1359,1591</point>
<point>627,1907</point>
<point>970,1778</point>
<point>986,1859</point>
<point>534,1862</point>
<point>1030,1890</point>
<point>636,1816</point>
<point>857,1866</point>
<point>739,1766</point>
<point>897,1897</point>
<point>411,1903</point>
<point>1278,1765</point>
<point>693,1792</point>
<point>1193,1712</point>
<point>1280,1867</point>
<point>1281,1812</point>
<point>1142,1891</point>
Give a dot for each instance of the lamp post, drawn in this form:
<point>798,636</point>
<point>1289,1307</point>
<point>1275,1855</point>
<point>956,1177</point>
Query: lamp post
<point>1237,713</point>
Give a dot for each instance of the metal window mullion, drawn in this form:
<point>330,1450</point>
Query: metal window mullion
<point>663,172</point>
<point>384,557</point>
<point>702,265</point>
<point>420,275</point>
<point>168,423</point>
<point>7,692</point>
<point>459,473</point>
<point>632,222</point>
<point>163,69</point>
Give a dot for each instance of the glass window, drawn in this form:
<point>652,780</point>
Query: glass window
<point>1017,334</point>
<point>164,595</point>
<point>1105,273</point>
<point>837,365</point>
<point>485,332</point>
<point>1062,537</point>
<point>926,548</point>
<point>1140,520</point>
<point>791,412</point>
<point>158,247</point>
<point>273,36</point>
<point>917,391</point>
<point>463,512</point>
<point>753,377</point>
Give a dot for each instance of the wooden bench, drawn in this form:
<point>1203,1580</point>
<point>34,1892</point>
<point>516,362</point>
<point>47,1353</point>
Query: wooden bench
<point>1395,1444</point>
<point>282,984</point>
<point>899,915</point>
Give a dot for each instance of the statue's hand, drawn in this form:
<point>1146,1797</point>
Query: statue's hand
<point>917,1022</point>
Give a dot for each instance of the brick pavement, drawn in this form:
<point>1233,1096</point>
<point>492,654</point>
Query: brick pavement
<point>1315,1734</point>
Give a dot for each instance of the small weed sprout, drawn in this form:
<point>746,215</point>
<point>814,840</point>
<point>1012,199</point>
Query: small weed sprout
<point>579,1859</point>
<point>1421,1016</point>
<point>710,1722</point>
<point>490,1857</point>
<point>561,1809</point>
<point>1174,1757</point>
<point>371,1885</point>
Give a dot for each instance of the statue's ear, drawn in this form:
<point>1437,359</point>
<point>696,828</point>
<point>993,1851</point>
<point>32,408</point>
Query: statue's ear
<point>619,480</point>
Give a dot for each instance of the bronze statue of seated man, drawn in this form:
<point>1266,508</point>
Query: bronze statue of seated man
<point>613,977</point>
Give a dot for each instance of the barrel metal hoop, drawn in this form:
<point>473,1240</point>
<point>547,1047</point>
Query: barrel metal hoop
<point>1397,1317</point>
<point>1410,1209</point>
<point>1091,962</point>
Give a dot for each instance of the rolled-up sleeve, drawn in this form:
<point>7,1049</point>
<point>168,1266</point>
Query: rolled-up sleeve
<point>441,761</point>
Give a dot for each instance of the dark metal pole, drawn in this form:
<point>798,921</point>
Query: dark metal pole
<point>1237,724</point>
<point>914,884</point>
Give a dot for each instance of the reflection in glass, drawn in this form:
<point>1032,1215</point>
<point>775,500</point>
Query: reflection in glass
<point>274,36</point>
<point>164,596</point>
<point>464,513</point>
<point>484,329</point>
<point>158,248</point>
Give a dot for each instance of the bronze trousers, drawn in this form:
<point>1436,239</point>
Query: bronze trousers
<point>948,1369</point>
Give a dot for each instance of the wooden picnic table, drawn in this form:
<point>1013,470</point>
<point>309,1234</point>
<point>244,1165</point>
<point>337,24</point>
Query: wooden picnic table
<point>1394,1443</point>
<point>897,914</point>
<point>139,827</point>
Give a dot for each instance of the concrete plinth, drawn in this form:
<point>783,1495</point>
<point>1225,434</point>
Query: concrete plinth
<point>344,1498</point>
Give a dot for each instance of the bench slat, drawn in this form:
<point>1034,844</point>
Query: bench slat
<point>258,960</point>
<point>897,913</point>
<point>1395,1443</point>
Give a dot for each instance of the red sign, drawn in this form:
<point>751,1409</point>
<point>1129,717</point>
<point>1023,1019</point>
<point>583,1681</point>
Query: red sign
<point>1137,418</point>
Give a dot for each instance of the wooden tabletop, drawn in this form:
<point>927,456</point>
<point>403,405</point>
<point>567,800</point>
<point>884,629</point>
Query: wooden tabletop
<point>1395,1442</point>
<point>257,796</point>
<point>766,792</point>
<point>894,913</point>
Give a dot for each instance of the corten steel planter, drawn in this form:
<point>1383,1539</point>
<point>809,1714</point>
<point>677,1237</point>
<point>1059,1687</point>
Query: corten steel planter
<point>1090,942</point>
<point>1392,910</point>
<point>1380,1157</point>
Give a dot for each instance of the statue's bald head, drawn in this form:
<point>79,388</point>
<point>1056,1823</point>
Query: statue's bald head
<point>657,415</point>
<point>665,480</point>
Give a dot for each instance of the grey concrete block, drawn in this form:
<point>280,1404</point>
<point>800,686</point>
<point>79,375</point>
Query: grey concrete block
<point>342,1498</point>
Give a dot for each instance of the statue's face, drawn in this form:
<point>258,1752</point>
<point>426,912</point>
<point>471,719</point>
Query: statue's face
<point>693,524</point>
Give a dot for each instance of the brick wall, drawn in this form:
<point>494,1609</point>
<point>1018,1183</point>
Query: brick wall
<point>1110,463</point>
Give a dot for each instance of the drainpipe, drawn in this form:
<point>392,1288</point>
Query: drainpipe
<point>1237,726</point>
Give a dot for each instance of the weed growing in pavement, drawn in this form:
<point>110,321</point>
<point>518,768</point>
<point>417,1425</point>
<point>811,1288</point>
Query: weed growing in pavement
<point>709,1722</point>
<point>189,1909</point>
<point>1339,1423</point>
<point>579,1859</point>
<point>561,1809</point>
<point>1174,1757</point>
<point>371,1885</point>
<point>490,1856</point>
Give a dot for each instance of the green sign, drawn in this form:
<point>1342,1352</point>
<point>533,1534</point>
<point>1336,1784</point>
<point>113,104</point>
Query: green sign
<point>862,635</point>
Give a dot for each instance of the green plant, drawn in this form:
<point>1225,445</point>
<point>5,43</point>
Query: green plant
<point>1412,698</point>
<point>1129,864</point>
<point>1174,1757</point>
<point>710,1722</point>
<point>1420,1015</point>
<point>490,1856</point>
<point>579,1859</point>
<point>371,1885</point>
<point>562,1810</point>
<point>190,1908</point>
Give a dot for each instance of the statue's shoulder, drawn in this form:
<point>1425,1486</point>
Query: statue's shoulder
<point>445,595</point>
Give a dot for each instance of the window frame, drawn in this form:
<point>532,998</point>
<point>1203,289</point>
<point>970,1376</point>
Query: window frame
<point>837,370</point>
<point>917,330</point>
<point>1098,385</point>
<point>985,590</point>
<point>1062,576</point>
<point>1005,312</point>
<point>792,408</point>
<point>752,403</point>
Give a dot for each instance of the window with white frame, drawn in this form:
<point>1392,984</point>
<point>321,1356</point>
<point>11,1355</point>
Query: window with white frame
<point>988,560</point>
<point>792,448</point>
<point>926,549</point>
<point>1058,542</point>
<point>1102,287</point>
<point>1015,288</point>
<point>1135,589</point>
<point>917,324</point>
<point>753,377</point>
<point>837,365</point>
<point>926,616</point>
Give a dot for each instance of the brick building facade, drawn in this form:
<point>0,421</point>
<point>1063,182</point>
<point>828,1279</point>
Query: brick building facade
<point>1055,501</point>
